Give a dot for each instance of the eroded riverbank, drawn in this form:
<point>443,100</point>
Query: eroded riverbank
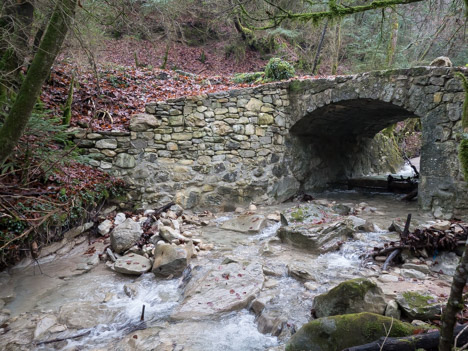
<point>268,285</point>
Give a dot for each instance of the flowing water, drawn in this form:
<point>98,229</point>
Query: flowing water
<point>108,305</point>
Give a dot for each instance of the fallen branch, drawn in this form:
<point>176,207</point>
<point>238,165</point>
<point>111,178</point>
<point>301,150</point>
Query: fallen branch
<point>390,259</point>
<point>79,335</point>
<point>428,341</point>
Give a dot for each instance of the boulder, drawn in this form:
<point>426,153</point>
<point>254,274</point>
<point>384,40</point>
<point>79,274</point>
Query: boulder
<point>132,264</point>
<point>170,260</point>
<point>125,235</point>
<point>245,224</point>
<point>352,296</point>
<point>418,306</point>
<point>220,289</point>
<point>340,332</point>
<point>319,239</point>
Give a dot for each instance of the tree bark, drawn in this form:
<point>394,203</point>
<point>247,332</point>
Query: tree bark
<point>319,48</point>
<point>454,303</point>
<point>30,89</point>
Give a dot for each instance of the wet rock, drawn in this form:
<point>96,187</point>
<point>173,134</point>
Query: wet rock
<point>319,239</point>
<point>245,224</point>
<point>299,273</point>
<point>352,296</point>
<point>170,260</point>
<point>44,324</point>
<point>125,235</point>
<point>132,264</point>
<point>418,306</point>
<point>271,322</point>
<point>219,290</point>
<point>446,263</point>
<point>81,315</point>
<point>131,289</point>
<point>392,310</point>
<point>105,227</point>
<point>340,332</point>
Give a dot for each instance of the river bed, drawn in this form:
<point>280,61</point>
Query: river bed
<point>106,306</point>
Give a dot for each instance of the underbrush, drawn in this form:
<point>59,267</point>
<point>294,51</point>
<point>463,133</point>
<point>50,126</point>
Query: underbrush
<point>46,188</point>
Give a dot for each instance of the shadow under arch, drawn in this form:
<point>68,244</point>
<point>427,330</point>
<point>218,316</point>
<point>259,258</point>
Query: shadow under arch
<point>336,142</point>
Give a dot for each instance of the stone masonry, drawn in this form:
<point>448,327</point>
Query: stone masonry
<point>265,144</point>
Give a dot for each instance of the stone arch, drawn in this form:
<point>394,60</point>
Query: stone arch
<point>332,121</point>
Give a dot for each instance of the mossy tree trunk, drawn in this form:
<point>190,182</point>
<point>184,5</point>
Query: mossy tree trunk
<point>392,43</point>
<point>454,304</point>
<point>30,89</point>
<point>15,30</point>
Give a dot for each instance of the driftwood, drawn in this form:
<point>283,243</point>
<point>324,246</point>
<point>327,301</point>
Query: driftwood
<point>428,341</point>
<point>74,336</point>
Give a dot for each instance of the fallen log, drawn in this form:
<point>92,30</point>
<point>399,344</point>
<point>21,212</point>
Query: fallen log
<point>428,341</point>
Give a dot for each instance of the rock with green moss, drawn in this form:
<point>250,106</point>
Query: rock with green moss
<point>419,306</point>
<point>352,296</point>
<point>339,332</point>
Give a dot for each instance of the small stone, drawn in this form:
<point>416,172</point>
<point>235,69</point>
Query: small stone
<point>105,227</point>
<point>119,218</point>
<point>132,264</point>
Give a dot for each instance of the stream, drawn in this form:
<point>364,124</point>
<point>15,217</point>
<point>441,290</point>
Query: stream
<point>98,309</point>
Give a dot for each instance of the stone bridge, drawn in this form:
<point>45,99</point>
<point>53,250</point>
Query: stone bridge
<point>265,144</point>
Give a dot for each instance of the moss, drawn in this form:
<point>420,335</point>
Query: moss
<point>339,332</point>
<point>463,157</point>
<point>417,301</point>
<point>251,77</point>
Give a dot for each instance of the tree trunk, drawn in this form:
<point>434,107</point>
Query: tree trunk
<point>15,25</point>
<point>392,44</point>
<point>319,48</point>
<point>454,303</point>
<point>30,89</point>
<point>337,47</point>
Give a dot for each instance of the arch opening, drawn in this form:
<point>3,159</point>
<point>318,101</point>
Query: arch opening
<point>341,141</point>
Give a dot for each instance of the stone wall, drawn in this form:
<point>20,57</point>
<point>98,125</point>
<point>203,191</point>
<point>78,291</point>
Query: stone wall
<point>265,144</point>
<point>216,150</point>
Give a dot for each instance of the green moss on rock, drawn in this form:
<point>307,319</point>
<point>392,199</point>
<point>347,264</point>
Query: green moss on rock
<point>352,296</point>
<point>418,306</point>
<point>339,332</point>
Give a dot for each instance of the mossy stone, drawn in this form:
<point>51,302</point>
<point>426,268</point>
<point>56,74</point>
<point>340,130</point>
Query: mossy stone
<point>339,332</point>
<point>418,306</point>
<point>352,296</point>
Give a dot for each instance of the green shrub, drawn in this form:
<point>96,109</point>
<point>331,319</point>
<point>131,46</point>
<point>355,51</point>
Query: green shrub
<point>277,69</point>
<point>250,77</point>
